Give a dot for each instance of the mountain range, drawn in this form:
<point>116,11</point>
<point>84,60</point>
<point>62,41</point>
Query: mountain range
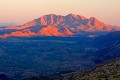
<point>30,58</point>
<point>57,25</point>
<point>7,24</point>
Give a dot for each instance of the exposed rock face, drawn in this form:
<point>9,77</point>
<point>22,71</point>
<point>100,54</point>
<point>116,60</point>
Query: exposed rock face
<point>50,31</point>
<point>57,25</point>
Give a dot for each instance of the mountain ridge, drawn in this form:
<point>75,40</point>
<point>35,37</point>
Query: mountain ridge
<point>69,25</point>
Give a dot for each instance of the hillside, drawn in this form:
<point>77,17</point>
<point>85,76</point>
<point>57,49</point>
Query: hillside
<point>107,40</point>
<point>109,47</point>
<point>107,71</point>
<point>107,53</point>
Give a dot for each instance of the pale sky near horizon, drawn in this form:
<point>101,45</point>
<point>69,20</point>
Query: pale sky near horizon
<point>22,11</point>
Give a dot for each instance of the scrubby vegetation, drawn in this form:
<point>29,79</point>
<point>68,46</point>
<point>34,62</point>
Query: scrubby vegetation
<point>44,58</point>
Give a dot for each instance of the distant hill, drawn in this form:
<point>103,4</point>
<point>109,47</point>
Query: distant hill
<point>107,53</point>
<point>58,25</point>
<point>7,24</point>
<point>107,40</point>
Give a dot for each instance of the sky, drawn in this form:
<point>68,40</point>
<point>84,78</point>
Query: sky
<point>22,11</point>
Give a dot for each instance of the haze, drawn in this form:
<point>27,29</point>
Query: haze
<point>22,11</point>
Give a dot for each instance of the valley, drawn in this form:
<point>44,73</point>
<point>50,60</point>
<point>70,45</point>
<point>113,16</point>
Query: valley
<point>32,56</point>
<point>53,47</point>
